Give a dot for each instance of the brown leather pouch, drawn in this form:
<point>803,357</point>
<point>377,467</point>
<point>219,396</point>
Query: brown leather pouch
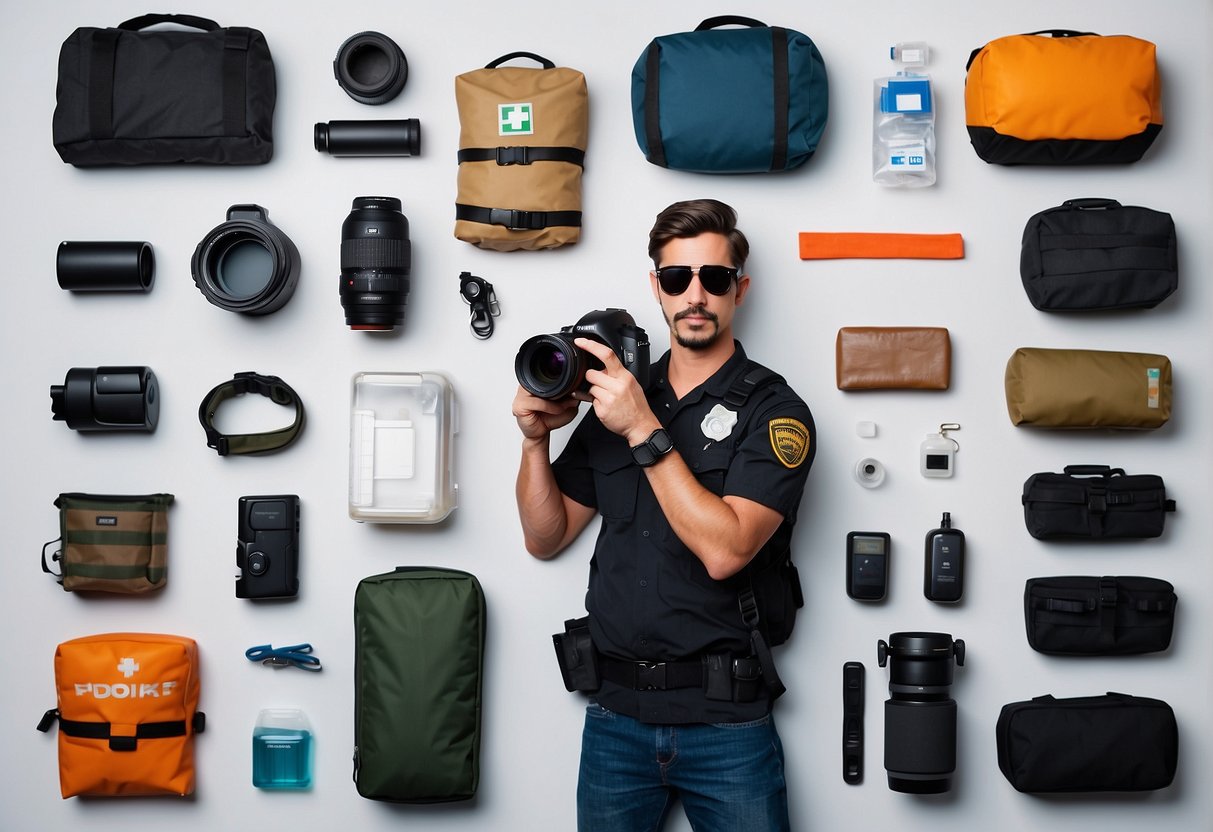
<point>1088,389</point>
<point>893,358</point>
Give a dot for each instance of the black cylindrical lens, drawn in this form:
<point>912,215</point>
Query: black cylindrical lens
<point>105,266</point>
<point>386,137</point>
<point>550,366</point>
<point>107,398</point>
<point>376,258</point>
<point>246,264</point>
<point>371,68</point>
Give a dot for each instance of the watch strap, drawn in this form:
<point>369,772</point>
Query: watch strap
<point>273,388</point>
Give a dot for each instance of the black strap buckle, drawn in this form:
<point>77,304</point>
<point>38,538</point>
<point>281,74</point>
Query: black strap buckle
<point>650,676</point>
<point>1107,592</point>
<point>1097,502</point>
<point>514,155</point>
<point>518,220</point>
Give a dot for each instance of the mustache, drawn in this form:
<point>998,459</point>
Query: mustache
<point>698,311</point>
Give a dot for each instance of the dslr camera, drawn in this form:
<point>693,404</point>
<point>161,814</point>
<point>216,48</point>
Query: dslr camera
<point>552,367</point>
<point>267,547</point>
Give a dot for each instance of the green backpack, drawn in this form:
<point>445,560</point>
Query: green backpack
<point>418,661</point>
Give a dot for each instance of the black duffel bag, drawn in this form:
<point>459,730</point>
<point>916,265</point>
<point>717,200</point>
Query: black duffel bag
<point>1096,254</point>
<point>132,97</point>
<point>1088,616</point>
<point>1110,743</point>
<point>1095,501</point>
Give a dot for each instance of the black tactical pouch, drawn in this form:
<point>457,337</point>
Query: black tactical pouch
<point>1089,616</point>
<point>1095,501</point>
<point>576,656</point>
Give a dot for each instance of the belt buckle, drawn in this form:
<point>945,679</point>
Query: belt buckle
<point>650,676</point>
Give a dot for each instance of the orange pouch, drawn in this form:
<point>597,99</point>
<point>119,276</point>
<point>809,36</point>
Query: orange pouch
<point>1060,97</point>
<point>127,713</point>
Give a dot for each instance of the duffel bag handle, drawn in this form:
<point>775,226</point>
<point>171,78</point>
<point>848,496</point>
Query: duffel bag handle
<point>1087,203</point>
<point>1093,471</point>
<point>1061,33</point>
<point>143,21</point>
<point>539,59</point>
<point>729,19</point>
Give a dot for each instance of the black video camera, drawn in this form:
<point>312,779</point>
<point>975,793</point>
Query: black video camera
<point>267,548</point>
<point>552,367</point>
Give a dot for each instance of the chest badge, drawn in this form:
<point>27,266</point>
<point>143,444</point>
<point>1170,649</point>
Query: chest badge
<point>789,441</point>
<point>718,423</point>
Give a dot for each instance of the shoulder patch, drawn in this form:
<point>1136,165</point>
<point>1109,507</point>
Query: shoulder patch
<point>789,441</point>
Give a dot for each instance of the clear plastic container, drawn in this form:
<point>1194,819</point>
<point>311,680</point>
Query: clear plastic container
<point>402,428</point>
<point>903,122</point>
<point>282,749</point>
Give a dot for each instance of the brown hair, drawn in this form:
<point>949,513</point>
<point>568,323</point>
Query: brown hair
<point>694,217</point>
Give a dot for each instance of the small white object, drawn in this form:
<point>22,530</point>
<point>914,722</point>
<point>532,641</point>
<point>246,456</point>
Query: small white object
<point>718,423</point>
<point>865,429</point>
<point>869,472</point>
<point>937,453</point>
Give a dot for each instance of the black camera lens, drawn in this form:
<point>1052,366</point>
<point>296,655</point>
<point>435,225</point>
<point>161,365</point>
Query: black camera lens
<point>550,367</point>
<point>246,264</point>
<point>376,258</point>
<point>371,68</point>
<point>107,398</point>
<point>920,716</point>
<point>386,137</point>
<point>105,266</point>
<point>258,563</point>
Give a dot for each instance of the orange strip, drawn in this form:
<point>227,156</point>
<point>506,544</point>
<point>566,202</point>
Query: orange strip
<point>831,245</point>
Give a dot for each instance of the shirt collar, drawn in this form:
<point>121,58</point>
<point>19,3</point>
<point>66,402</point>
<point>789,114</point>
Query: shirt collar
<point>717,384</point>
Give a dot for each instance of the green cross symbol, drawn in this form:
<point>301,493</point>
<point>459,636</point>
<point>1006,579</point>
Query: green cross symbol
<point>514,119</point>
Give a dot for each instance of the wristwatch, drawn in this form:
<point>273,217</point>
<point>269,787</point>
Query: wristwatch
<point>652,449</point>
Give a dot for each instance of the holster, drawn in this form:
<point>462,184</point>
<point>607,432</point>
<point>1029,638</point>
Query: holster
<point>577,657</point>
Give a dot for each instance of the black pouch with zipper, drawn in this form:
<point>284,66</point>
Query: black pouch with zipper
<point>1090,616</point>
<point>1095,501</point>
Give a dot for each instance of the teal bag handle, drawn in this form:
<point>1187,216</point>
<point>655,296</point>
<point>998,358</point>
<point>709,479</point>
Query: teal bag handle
<point>729,19</point>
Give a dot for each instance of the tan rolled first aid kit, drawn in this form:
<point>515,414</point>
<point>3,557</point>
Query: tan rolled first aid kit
<point>127,712</point>
<point>522,140</point>
<point>1088,389</point>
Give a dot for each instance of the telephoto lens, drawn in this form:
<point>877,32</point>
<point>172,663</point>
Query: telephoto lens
<point>920,716</point>
<point>376,258</point>
<point>107,398</point>
<point>246,264</point>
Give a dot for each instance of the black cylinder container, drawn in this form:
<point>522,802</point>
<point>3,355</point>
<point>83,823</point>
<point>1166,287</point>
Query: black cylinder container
<point>371,68</point>
<point>107,398</point>
<point>246,264</point>
<point>920,715</point>
<point>105,266</point>
<point>385,137</point>
<point>376,259</point>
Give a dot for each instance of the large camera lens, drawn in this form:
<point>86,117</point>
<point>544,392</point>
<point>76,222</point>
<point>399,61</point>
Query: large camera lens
<point>246,264</point>
<point>376,258</point>
<point>107,398</point>
<point>550,367</point>
<point>371,68</point>
<point>920,716</point>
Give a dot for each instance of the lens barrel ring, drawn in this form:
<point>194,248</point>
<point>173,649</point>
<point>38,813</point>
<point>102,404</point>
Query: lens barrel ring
<point>371,68</point>
<point>246,226</point>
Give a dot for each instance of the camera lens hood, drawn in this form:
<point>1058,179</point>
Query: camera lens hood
<point>246,264</point>
<point>371,68</point>
<point>105,266</point>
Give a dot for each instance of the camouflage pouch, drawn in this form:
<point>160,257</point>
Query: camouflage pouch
<point>111,543</point>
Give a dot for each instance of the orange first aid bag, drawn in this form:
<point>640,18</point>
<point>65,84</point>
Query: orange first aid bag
<point>1060,97</point>
<point>127,712</point>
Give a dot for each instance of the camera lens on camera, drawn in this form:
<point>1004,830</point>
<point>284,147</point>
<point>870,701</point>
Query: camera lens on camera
<point>376,258</point>
<point>246,264</point>
<point>371,68</point>
<point>549,366</point>
<point>257,563</point>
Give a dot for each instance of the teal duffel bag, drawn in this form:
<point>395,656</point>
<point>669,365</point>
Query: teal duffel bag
<point>418,660</point>
<point>714,100</point>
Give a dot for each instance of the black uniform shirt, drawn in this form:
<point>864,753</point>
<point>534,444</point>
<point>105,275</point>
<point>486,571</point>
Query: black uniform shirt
<point>650,598</point>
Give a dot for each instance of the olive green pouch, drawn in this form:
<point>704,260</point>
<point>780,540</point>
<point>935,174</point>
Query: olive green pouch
<point>1088,389</point>
<point>111,542</point>
<point>418,662</point>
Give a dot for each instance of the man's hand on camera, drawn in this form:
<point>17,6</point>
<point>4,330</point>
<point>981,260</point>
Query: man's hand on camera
<point>616,395</point>
<point>538,417</point>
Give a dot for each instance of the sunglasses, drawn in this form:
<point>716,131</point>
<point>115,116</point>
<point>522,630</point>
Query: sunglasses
<point>674,280</point>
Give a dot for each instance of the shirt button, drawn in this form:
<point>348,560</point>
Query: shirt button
<point>645,533</point>
<point>644,642</point>
<point>643,582</point>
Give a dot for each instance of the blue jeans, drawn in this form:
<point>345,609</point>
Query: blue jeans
<point>729,777</point>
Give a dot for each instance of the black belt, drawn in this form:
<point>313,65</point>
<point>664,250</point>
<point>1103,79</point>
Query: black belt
<point>688,673</point>
<point>271,387</point>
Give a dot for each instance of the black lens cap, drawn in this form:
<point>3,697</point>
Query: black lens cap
<point>371,68</point>
<point>258,563</point>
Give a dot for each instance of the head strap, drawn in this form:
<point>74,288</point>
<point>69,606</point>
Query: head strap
<point>273,388</point>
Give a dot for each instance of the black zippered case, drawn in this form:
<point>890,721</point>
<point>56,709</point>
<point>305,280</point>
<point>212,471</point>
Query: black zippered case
<point>1091,616</point>
<point>1095,501</point>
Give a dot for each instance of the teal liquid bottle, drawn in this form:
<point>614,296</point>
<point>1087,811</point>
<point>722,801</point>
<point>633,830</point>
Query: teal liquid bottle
<point>282,750</point>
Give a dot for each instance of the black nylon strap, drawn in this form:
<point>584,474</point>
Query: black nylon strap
<point>652,106</point>
<point>754,378</point>
<point>517,220</point>
<point>652,675</point>
<point>143,21</point>
<point>1093,241</point>
<point>748,605</point>
<point>101,84</point>
<point>101,731</point>
<point>779,55</point>
<point>235,69</point>
<point>1107,612</point>
<point>522,155</point>
<point>1066,605</point>
<point>542,61</point>
<point>272,388</point>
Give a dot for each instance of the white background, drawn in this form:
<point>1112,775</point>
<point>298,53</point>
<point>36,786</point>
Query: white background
<point>531,725</point>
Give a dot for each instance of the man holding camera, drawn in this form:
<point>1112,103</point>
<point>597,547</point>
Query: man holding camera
<point>698,479</point>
